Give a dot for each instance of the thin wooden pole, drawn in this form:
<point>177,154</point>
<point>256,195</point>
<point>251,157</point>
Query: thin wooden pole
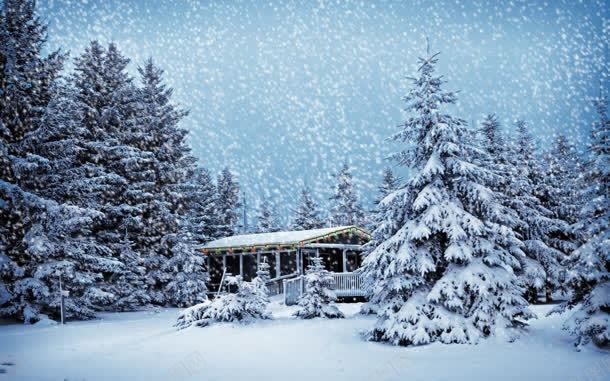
<point>241,264</point>
<point>222,279</point>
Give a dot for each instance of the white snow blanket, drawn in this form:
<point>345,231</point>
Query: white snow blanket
<point>135,346</point>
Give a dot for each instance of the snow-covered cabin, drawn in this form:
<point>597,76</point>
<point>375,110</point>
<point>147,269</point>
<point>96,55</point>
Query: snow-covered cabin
<point>288,255</point>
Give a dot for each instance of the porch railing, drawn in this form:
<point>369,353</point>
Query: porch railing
<point>348,284</point>
<point>345,285</point>
<point>276,285</point>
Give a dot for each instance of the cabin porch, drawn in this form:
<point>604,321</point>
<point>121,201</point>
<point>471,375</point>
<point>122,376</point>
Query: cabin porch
<point>288,255</point>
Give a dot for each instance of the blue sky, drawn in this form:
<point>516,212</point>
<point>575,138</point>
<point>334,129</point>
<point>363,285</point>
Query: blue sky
<point>284,92</point>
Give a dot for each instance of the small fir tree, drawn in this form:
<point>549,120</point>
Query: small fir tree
<point>318,298</point>
<point>244,306</point>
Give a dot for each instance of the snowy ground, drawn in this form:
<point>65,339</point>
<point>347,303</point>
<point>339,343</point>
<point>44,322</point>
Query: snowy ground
<point>144,346</point>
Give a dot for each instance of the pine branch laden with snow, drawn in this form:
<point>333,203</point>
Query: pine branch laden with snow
<point>318,298</point>
<point>441,266</point>
<point>589,265</point>
<point>247,305</point>
<point>56,243</point>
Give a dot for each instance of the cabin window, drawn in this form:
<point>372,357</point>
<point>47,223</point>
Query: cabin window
<point>288,263</point>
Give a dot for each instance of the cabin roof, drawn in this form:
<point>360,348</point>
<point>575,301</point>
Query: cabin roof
<point>287,238</point>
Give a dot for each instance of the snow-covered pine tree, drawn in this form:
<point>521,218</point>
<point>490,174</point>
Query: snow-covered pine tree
<point>227,203</point>
<point>589,265</point>
<point>261,280</point>
<point>25,77</point>
<point>188,282</point>
<point>318,298</point>
<point>307,214</point>
<point>262,273</point>
<point>40,238</point>
<point>267,220</point>
<point>443,260</point>
<point>345,209</point>
<point>175,270</point>
<point>539,229</point>
<point>244,306</point>
<point>57,243</point>
<point>200,204</point>
<point>117,172</point>
<point>389,184</point>
<point>561,183</point>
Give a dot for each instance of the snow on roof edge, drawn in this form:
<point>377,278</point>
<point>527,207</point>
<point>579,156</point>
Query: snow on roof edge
<point>275,238</point>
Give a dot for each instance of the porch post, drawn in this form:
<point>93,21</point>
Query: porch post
<point>224,261</point>
<point>241,264</point>
<point>344,261</point>
<point>278,272</point>
<point>258,260</point>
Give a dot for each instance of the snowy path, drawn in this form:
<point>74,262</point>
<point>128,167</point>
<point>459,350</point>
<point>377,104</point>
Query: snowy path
<point>144,346</point>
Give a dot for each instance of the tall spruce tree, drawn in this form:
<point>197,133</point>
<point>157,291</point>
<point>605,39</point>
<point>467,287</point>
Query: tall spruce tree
<point>267,220</point>
<point>117,173</point>
<point>589,265</point>
<point>307,214</point>
<point>25,78</point>
<point>345,209</point>
<point>175,270</point>
<point>442,262</point>
<point>41,239</point>
<point>542,269</point>
<point>228,203</point>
